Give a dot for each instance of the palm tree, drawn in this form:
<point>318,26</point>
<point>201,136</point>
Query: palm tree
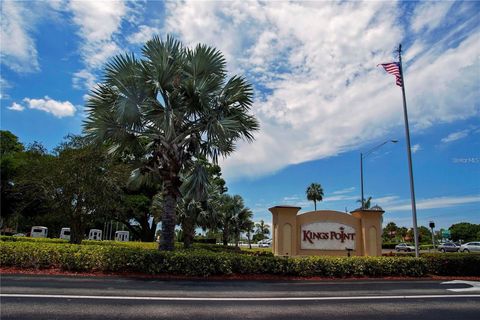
<point>315,193</point>
<point>172,106</point>
<point>241,218</point>
<point>366,203</point>
<point>262,230</point>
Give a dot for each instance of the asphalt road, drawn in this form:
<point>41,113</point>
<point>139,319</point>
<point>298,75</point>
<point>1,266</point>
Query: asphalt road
<point>58,297</point>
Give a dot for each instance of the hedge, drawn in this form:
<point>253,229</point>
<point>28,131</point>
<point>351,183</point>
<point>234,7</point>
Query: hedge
<point>202,262</point>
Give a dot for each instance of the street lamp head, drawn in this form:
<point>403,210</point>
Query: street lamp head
<point>394,141</point>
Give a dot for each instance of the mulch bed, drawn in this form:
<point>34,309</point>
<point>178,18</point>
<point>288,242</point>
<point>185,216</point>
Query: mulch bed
<point>239,277</point>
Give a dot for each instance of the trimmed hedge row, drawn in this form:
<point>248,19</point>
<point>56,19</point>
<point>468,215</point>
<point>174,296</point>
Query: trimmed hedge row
<point>201,262</point>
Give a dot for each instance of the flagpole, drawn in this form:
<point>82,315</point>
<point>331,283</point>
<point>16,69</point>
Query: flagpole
<point>409,152</point>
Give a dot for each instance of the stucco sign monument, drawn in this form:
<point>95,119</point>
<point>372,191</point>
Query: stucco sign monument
<point>326,232</point>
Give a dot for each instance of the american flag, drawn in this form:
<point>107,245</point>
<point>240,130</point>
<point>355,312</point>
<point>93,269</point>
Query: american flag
<point>393,68</point>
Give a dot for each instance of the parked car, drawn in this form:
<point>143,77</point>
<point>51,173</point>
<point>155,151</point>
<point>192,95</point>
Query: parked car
<point>121,235</point>
<point>470,247</point>
<point>39,232</point>
<point>404,247</point>
<point>448,247</point>
<point>266,243</point>
<point>95,234</point>
<point>65,234</point>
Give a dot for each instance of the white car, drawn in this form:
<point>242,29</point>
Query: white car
<point>404,247</point>
<point>266,243</point>
<point>470,247</point>
<point>65,234</point>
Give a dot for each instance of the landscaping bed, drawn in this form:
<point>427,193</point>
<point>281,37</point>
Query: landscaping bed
<point>211,260</point>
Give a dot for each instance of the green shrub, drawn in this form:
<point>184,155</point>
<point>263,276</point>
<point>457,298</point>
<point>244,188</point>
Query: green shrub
<point>453,264</point>
<point>29,239</point>
<point>211,260</point>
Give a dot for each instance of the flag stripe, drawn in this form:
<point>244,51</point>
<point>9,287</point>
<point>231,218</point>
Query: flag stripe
<point>393,68</point>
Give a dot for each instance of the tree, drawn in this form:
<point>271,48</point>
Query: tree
<point>315,193</point>
<point>261,231</point>
<point>424,235</point>
<point>402,232</point>
<point>9,143</point>
<point>10,163</point>
<point>81,184</point>
<point>26,192</point>
<point>367,203</point>
<point>231,217</point>
<point>241,219</point>
<point>464,231</point>
<point>250,229</point>
<point>390,231</point>
<point>172,106</point>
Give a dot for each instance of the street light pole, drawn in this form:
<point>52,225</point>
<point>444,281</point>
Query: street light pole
<point>361,180</point>
<point>362,156</point>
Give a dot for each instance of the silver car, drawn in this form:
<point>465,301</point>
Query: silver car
<point>265,243</point>
<point>404,247</point>
<point>448,247</point>
<point>470,247</point>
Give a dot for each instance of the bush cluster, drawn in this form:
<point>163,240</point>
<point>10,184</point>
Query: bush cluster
<point>204,262</point>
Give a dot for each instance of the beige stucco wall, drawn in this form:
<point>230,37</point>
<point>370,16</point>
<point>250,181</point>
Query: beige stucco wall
<point>287,224</point>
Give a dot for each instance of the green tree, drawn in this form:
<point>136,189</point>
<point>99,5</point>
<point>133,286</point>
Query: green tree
<point>262,230</point>
<point>402,232</point>
<point>173,106</point>
<point>82,185</point>
<point>464,231</point>
<point>367,203</point>
<point>424,235</point>
<point>241,220</point>
<point>390,231</point>
<point>231,217</point>
<point>314,193</point>
<point>26,194</point>
<point>250,228</point>
<point>11,154</point>
<point>135,212</point>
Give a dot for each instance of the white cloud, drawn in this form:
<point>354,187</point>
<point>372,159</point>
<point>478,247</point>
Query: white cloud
<point>340,198</point>
<point>59,109</point>
<point>434,203</point>
<point>319,92</point>
<point>455,136</point>
<point>97,20</point>
<point>84,79</point>
<point>144,34</point>
<point>429,15</point>
<point>416,148</point>
<point>18,50</point>
<point>343,191</point>
<point>16,107</point>
<point>4,84</point>
<point>99,23</point>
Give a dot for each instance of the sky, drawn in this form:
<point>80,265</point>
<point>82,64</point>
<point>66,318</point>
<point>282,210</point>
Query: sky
<point>320,97</point>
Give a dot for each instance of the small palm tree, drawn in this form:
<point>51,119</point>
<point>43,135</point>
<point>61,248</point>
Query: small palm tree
<point>262,229</point>
<point>366,203</point>
<point>315,193</point>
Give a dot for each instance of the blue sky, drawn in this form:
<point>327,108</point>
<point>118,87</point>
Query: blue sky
<point>319,96</point>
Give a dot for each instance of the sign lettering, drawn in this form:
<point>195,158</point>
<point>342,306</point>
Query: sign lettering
<point>327,236</point>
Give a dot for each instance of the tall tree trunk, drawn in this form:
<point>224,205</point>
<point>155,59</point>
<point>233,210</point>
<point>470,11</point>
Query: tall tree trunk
<point>225,237</point>
<point>76,234</point>
<point>188,227</point>
<point>315,204</point>
<point>168,222</point>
